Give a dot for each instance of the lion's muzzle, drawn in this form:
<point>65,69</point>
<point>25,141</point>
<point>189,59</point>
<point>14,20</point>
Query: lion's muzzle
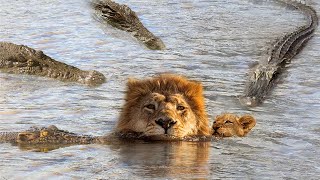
<point>166,123</point>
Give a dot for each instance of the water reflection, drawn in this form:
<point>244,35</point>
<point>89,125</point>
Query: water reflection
<point>41,147</point>
<point>165,159</point>
<point>139,158</point>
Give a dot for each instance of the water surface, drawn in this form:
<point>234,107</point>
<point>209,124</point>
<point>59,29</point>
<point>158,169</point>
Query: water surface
<point>212,41</point>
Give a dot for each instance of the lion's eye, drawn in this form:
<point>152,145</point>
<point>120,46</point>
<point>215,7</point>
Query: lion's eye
<point>151,106</point>
<point>180,108</point>
<point>228,122</point>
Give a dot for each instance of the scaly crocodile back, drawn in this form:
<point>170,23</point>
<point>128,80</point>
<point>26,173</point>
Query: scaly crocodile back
<point>46,135</point>
<point>8,137</point>
<point>21,59</point>
<point>119,16</point>
<point>122,17</point>
<point>263,77</point>
<point>291,43</point>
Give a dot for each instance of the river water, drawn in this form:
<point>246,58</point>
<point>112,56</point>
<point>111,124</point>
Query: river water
<point>212,41</point>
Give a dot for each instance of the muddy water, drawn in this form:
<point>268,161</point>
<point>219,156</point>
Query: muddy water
<point>214,42</point>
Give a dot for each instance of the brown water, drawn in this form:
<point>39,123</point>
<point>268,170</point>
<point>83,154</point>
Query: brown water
<point>214,42</point>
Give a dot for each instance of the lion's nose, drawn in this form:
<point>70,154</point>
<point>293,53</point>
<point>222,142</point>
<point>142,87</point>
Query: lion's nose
<point>166,123</point>
<point>215,128</point>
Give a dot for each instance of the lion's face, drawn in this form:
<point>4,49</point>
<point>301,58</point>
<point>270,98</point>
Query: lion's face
<point>167,114</point>
<point>227,125</point>
<point>164,105</point>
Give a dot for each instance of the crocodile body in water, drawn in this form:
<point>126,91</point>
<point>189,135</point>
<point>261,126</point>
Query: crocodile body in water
<point>44,139</point>
<point>51,135</point>
<point>263,77</point>
<point>123,18</point>
<point>20,59</point>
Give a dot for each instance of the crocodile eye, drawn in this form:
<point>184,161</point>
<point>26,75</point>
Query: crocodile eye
<point>150,106</point>
<point>180,108</point>
<point>228,122</point>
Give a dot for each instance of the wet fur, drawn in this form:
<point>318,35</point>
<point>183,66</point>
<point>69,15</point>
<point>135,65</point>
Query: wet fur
<point>166,84</point>
<point>227,125</point>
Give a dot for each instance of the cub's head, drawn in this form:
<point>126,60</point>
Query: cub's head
<point>227,125</point>
<point>164,105</point>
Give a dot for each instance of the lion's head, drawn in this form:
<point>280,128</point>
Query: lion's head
<point>164,105</point>
<point>227,125</point>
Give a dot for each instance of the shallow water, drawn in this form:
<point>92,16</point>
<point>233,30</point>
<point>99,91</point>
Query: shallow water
<point>214,42</point>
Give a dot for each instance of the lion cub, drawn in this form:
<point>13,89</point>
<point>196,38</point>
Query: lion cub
<point>172,106</point>
<point>227,125</point>
<point>167,104</point>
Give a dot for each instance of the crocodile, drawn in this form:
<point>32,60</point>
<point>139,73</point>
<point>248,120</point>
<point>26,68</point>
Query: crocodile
<point>44,139</point>
<point>21,59</point>
<point>47,135</point>
<point>122,17</point>
<point>52,135</point>
<point>266,73</point>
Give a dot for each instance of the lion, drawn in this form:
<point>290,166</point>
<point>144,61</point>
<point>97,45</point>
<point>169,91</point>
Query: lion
<point>167,104</point>
<point>165,107</point>
<point>227,125</point>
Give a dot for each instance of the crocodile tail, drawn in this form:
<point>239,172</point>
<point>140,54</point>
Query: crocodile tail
<point>117,15</point>
<point>305,8</point>
<point>290,44</point>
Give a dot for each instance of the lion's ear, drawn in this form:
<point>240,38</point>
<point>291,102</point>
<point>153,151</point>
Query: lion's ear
<point>135,86</point>
<point>132,83</point>
<point>247,122</point>
<point>135,89</point>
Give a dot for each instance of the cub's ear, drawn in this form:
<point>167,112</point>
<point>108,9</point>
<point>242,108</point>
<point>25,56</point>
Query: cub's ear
<point>247,122</point>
